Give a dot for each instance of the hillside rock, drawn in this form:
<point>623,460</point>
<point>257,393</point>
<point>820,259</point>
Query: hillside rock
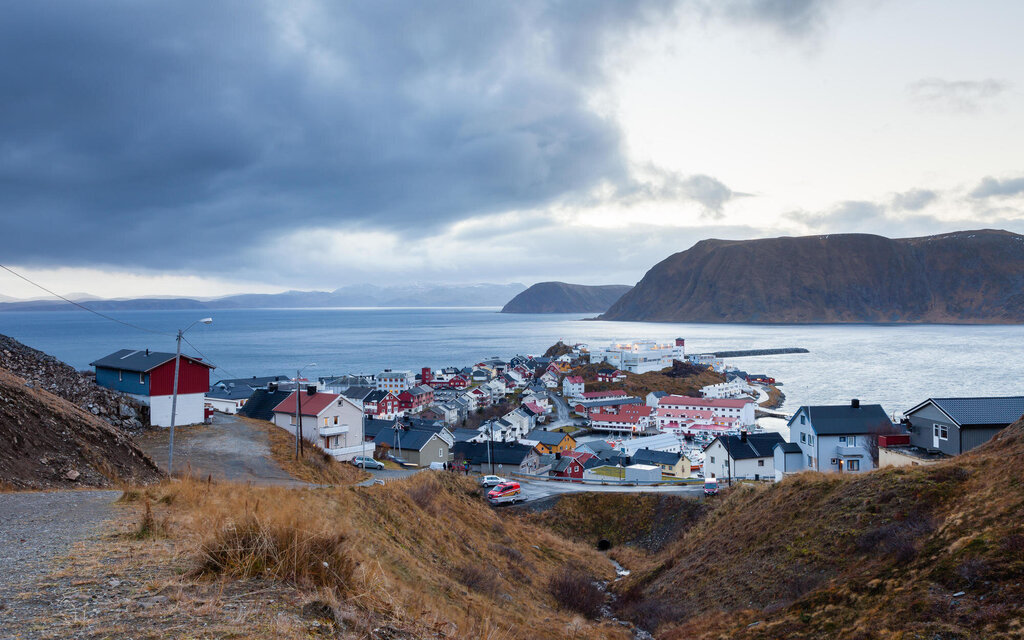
<point>43,371</point>
<point>47,442</point>
<point>963,277</point>
<point>561,297</point>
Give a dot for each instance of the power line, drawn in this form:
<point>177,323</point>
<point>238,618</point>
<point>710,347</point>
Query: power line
<point>203,356</point>
<point>81,306</point>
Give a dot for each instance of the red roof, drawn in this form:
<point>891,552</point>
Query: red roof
<point>575,379</point>
<point>628,413</point>
<point>534,407</point>
<point>312,405</point>
<point>721,403</point>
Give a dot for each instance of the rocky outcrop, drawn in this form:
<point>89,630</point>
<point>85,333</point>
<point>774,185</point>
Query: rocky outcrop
<point>43,371</point>
<point>561,297</point>
<point>963,277</point>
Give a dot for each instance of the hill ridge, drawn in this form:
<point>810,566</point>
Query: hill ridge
<point>564,297</point>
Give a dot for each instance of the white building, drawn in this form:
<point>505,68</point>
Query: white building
<point>331,421</point>
<point>661,442</point>
<point>736,411</point>
<point>732,389</point>
<point>839,438</point>
<point>394,381</point>
<point>573,387</point>
<point>641,356</point>
<point>744,456</point>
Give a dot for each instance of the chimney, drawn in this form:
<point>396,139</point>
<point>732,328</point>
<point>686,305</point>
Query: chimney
<point>855,403</point>
<point>147,351</point>
<point>743,435</point>
<point>311,390</point>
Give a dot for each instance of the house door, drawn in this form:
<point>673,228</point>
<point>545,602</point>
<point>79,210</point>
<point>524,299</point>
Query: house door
<point>935,436</point>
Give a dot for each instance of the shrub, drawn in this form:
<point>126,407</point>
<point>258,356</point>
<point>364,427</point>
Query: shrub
<point>478,579</point>
<point>258,547</point>
<point>576,591</point>
<point>422,493</point>
<point>896,539</point>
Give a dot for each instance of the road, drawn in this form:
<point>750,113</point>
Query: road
<point>562,413</point>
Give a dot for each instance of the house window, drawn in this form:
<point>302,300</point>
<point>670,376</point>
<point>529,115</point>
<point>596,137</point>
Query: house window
<point>853,465</point>
<point>440,452</point>
<point>941,431</point>
<point>760,463</point>
<point>810,439</point>
<point>810,462</point>
<point>335,419</point>
<point>291,420</point>
<point>326,421</point>
<point>842,439</point>
<point>120,376</point>
<point>142,378</point>
<point>712,459</point>
<point>803,438</point>
<point>852,441</point>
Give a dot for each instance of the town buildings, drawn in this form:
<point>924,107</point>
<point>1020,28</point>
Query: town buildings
<point>394,381</point>
<point>956,425</point>
<point>750,456</point>
<point>839,438</point>
<point>331,421</point>
<point>641,356</point>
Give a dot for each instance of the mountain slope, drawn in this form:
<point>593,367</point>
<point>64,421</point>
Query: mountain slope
<point>907,552</point>
<point>963,277</point>
<point>561,297</point>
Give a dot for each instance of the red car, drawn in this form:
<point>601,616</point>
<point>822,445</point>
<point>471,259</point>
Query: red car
<point>506,492</point>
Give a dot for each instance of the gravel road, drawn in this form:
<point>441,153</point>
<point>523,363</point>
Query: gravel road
<point>37,529</point>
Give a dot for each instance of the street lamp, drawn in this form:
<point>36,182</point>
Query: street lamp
<point>174,396</point>
<point>298,409</point>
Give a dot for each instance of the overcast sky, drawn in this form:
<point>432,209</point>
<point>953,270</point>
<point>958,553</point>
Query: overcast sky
<point>200,148</point>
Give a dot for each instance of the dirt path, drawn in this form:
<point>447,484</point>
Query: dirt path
<point>229,449</point>
<point>37,531</point>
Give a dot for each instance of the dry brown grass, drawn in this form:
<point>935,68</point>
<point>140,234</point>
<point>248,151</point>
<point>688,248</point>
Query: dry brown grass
<point>641,384</point>
<point>876,555</point>
<point>424,555</point>
<point>775,398</point>
<point>315,466</point>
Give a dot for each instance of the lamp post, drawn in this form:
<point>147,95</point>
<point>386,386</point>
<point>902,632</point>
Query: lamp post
<point>174,395</point>
<point>298,410</point>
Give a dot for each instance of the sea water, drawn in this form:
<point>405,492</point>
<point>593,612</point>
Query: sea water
<point>894,365</point>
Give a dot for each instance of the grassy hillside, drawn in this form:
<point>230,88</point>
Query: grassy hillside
<point>681,379</point>
<point>421,557</point>
<point>877,555</point>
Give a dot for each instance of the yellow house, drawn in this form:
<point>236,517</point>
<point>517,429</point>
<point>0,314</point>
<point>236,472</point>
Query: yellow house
<point>673,465</point>
<point>550,441</point>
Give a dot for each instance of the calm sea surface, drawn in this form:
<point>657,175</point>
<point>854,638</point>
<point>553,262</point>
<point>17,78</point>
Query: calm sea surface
<point>895,365</point>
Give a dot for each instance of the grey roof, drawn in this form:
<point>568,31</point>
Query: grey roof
<point>650,456</point>
<point>980,411</point>
<point>141,360</point>
<point>659,394</point>
<point>842,419</point>
<point>789,447</point>
<point>608,403</point>
<point>464,435</point>
<point>261,404</point>
<point>357,393</point>
<point>375,396</point>
<point>757,445</point>
<point>373,426</point>
<point>253,382</point>
<point>599,448</point>
<point>549,438</point>
<point>231,393</point>
<point>503,453</point>
<point>408,440</point>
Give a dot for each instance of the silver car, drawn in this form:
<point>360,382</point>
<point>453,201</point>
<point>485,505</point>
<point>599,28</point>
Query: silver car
<point>491,481</point>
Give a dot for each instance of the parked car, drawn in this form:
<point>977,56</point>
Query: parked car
<point>366,462</point>
<point>710,486</point>
<point>491,481</point>
<point>399,461</point>
<point>506,492</point>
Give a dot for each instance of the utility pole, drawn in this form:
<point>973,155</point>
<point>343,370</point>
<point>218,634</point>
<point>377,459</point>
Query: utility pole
<point>298,413</point>
<point>174,394</point>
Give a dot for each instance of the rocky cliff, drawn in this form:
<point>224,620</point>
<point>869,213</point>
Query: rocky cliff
<point>45,372</point>
<point>963,277</point>
<point>561,297</point>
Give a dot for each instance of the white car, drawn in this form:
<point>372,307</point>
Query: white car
<point>491,481</point>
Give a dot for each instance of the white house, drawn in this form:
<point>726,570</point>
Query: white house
<point>550,379</point>
<point>660,442</point>
<point>629,419</point>
<point>732,389</point>
<point>329,420</point>
<point>573,387</point>
<point>839,437</point>
<point>749,456</point>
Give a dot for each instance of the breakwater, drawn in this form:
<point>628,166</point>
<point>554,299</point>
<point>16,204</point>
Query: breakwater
<point>758,352</point>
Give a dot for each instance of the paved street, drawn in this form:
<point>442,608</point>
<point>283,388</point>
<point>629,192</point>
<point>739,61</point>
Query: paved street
<point>562,413</point>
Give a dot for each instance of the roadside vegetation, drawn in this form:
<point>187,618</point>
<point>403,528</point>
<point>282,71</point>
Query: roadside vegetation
<point>422,557</point>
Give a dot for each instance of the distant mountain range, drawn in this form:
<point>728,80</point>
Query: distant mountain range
<point>561,297</point>
<point>469,295</point>
<point>963,277</point>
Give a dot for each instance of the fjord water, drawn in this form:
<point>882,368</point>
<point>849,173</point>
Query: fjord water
<point>895,365</point>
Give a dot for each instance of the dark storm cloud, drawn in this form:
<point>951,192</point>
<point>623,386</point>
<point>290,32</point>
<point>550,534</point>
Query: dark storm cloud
<point>126,125</point>
<point>993,187</point>
<point>175,135</point>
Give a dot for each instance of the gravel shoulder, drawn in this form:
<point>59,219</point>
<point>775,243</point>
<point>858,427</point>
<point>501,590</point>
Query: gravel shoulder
<point>37,532</point>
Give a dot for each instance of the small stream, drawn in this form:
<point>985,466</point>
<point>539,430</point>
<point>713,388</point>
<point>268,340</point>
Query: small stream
<point>607,610</point>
